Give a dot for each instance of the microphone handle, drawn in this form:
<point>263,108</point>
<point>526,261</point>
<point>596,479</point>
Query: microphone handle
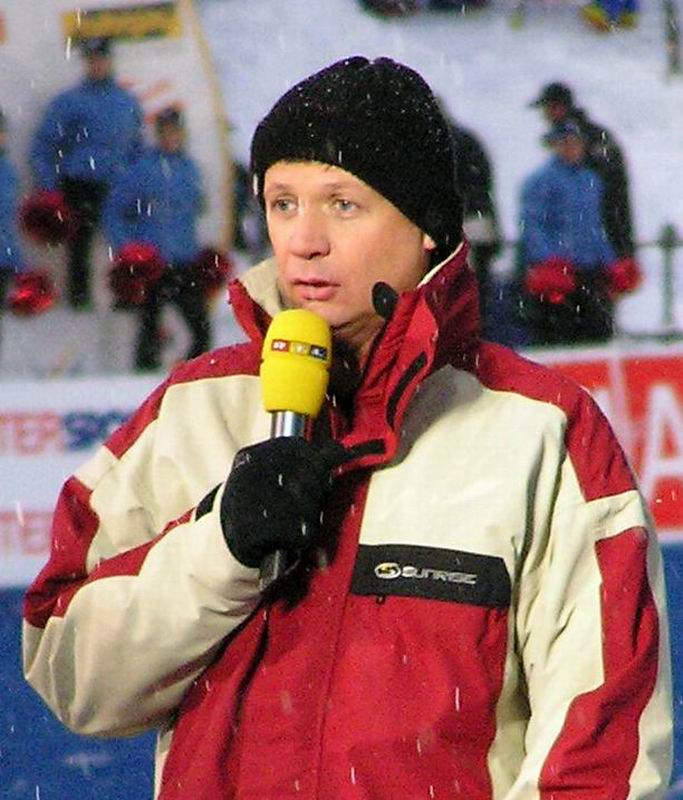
<point>283,423</point>
<point>288,423</point>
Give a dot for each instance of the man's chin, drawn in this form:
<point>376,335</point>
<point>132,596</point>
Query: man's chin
<point>356,333</point>
<point>325,310</point>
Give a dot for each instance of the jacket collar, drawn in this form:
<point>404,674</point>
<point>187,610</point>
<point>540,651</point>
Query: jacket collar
<point>433,325</point>
<point>98,85</point>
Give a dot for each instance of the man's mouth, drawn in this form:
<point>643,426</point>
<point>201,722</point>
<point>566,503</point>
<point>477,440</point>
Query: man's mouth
<point>315,289</point>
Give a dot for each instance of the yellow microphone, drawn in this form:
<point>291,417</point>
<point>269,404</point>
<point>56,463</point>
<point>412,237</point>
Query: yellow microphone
<point>295,371</point>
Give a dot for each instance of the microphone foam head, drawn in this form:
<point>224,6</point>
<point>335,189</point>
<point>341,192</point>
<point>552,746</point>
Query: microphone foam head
<point>295,362</point>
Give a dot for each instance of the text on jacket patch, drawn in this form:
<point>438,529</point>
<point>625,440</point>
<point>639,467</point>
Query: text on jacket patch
<point>388,570</point>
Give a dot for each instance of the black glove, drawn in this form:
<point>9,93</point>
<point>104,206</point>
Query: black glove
<point>274,496</point>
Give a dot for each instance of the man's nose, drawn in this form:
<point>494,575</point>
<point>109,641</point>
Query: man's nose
<point>309,237</point>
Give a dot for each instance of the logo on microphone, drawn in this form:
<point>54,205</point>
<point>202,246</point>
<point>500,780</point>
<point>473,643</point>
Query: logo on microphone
<point>299,348</point>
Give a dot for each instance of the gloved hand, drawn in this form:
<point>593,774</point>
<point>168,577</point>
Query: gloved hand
<point>274,496</point>
<point>623,276</point>
<point>551,280</point>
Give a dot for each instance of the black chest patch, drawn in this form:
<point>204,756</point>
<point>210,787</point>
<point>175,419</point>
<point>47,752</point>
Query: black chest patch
<point>433,573</point>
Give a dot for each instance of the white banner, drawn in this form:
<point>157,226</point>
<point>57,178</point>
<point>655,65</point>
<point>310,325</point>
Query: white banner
<point>47,430</point>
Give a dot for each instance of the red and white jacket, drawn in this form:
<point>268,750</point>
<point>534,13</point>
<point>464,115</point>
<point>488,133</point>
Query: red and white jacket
<point>487,623</point>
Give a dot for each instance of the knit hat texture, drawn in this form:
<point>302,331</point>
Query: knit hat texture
<point>379,121</point>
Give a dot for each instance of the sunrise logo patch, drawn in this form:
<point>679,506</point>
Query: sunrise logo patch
<point>432,573</point>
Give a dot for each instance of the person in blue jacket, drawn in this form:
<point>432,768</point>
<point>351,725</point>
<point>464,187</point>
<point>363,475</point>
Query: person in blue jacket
<point>86,136</point>
<point>605,15</point>
<point>158,201</point>
<point>562,234</point>
<point>11,256</point>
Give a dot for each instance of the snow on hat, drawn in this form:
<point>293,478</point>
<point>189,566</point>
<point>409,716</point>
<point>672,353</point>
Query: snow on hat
<point>379,121</point>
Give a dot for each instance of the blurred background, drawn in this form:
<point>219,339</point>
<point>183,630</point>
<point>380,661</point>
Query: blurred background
<point>70,372</point>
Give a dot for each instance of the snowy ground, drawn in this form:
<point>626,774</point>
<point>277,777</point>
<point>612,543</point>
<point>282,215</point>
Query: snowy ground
<point>487,71</point>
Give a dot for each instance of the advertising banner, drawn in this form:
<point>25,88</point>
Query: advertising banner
<point>640,390</point>
<point>48,428</point>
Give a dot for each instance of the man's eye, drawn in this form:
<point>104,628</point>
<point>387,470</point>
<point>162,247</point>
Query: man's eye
<point>345,206</point>
<point>283,204</point>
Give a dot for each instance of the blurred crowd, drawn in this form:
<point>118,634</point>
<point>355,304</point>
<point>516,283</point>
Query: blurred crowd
<point>575,253</point>
<point>93,170</point>
<point>600,15</point>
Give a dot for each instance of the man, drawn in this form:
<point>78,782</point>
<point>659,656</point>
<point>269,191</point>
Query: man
<point>157,202</point>
<point>392,8</point>
<point>604,155</point>
<point>12,260</point>
<point>561,233</point>
<point>477,608</point>
<point>87,135</point>
<point>23,291</point>
<point>607,15</point>
<point>474,178</point>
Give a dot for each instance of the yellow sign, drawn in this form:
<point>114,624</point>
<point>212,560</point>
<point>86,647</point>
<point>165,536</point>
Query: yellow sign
<point>134,23</point>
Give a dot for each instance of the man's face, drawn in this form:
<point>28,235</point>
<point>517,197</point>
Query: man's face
<point>171,138</point>
<point>98,66</point>
<point>555,112</point>
<point>570,149</point>
<point>333,238</point>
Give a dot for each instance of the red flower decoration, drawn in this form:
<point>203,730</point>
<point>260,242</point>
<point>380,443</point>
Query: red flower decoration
<point>137,267</point>
<point>32,293</point>
<point>213,270</point>
<point>623,276</point>
<point>551,280</point>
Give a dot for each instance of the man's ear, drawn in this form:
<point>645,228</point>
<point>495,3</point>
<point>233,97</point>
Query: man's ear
<point>427,242</point>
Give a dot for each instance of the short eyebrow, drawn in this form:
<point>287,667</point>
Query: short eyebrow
<point>337,185</point>
<point>334,186</point>
<point>276,187</point>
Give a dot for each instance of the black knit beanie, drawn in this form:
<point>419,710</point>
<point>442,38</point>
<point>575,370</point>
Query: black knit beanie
<point>379,121</point>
